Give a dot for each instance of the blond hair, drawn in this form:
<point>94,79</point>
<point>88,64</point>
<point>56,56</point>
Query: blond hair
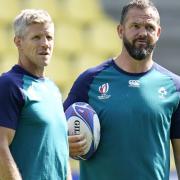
<point>28,17</point>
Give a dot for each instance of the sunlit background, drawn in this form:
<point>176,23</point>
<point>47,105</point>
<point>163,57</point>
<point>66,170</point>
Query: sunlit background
<point>85,35</point>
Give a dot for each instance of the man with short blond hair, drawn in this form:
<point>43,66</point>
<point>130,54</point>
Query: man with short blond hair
<point>33,129</point>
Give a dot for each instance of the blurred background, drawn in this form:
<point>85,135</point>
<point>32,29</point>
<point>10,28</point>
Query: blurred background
<point>85,35</point>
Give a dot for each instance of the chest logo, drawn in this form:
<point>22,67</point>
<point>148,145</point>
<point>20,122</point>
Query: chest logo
<point>162,92</point>
<point>134,83</point>
<point>103,90</point>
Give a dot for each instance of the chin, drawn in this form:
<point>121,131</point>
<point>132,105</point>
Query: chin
<point>46,61</point>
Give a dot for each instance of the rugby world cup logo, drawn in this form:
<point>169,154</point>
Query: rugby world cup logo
<point>103,90</point>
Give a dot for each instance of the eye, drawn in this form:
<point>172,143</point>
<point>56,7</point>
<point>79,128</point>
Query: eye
<point>36,37</point>
<point>49,37</point>
<point>150,28</point>
<point>136,26</point>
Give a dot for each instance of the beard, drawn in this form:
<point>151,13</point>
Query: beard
<point>138,53</point>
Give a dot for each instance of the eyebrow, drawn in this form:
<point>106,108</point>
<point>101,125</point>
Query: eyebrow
<point>142,22</point>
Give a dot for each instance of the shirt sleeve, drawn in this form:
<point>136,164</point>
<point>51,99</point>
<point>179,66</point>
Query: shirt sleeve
<point>80,89</point>
<point>175,124</point>
<point>78,92</point>
<point>175,121</point>
<point>11,103</point>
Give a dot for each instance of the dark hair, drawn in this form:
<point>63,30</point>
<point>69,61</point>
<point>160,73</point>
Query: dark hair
<point>141,4</point>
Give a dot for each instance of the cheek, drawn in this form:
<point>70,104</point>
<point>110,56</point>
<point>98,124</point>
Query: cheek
<point>26,46</point>
<point>30,51</point>
<point>154,38</point>
<point>52,45</point>
<point>129,36</point>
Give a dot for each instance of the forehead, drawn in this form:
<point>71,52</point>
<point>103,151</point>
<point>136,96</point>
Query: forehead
<point>38,28</point>
<point>142,15</point>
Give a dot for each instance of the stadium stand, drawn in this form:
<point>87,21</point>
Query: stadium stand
<point>69,39</point>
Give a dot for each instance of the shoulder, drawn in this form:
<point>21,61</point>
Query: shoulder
<point>12,98</point>
<point>80,88</point>
<point>10,83</point>
<point>174,77</point>
<point>6,79</point>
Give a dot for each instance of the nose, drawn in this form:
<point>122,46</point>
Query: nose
<point>44,42</point>
<point>142,32</point>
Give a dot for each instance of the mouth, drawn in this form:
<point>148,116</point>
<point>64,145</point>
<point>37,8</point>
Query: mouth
<point>141,42</point>
<point>44,53</point>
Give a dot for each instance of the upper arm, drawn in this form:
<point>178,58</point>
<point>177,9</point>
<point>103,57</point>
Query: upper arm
<point>6,136</point>
<point>79,90</point>
<point>175,123</point>
<point>11,103</point>
<point>175,137</point>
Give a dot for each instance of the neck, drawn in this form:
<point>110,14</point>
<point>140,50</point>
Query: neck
<point>31,68</point>
<point>128,64</point>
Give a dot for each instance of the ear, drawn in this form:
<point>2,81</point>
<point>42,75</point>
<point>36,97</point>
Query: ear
<point>17,41</point>
<point>120,31</point>
<point>159,32</point>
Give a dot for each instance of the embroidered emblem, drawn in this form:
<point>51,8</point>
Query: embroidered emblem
<point>103,90</point>
<point>134,83</point>
<point>162,92</point>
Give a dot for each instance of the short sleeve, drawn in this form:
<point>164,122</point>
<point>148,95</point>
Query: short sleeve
<point>175,124</point>
<point>11,102</point>
<point>80,88</point>
<point>78,92</point>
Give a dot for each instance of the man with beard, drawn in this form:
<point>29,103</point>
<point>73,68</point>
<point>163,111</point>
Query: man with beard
<point>138,104</point>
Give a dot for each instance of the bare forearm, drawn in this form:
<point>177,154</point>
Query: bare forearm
<point>8,168</point>
<point>177,162</point>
